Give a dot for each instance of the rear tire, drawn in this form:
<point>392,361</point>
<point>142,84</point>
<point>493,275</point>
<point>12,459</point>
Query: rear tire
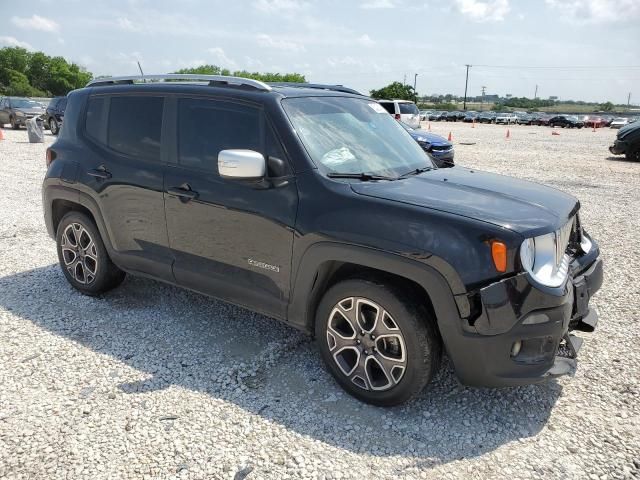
<point>83,257</point>
<point>379,343</point>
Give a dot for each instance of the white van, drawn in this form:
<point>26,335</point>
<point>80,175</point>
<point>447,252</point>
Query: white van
<point>403,110</point>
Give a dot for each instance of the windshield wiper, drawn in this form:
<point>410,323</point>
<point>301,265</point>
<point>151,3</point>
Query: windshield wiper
<point>416,171</point>
<point>365,177</point>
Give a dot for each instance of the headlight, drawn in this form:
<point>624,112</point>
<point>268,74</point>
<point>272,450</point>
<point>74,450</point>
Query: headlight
<point>544,257</point>
<point>585,243</point>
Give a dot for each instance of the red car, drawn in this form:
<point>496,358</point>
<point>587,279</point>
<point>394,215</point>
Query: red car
<point>595,122</point>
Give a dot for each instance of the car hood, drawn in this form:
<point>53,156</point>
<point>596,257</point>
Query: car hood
<point>30,111</point>
<point>431,137</point>
<point>524,207</point>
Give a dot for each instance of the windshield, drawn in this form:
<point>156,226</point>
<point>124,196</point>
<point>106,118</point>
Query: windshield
<point>24,103</point>
<point>351,135</point>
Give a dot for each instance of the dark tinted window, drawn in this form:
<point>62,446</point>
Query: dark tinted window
<point>53,102</point>
<point>206,127</point>
<point>62,104</point>
<point>408,108</point>
<point>135,125</point>
<point>96,119</point>
<point>389,107</point>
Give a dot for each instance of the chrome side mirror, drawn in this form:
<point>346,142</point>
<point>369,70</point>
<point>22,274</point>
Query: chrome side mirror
<point>241,164</point>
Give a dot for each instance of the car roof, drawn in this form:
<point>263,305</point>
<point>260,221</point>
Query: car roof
<point>205,89</point>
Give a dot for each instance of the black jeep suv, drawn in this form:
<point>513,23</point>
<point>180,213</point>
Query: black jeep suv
<point>311,205</point>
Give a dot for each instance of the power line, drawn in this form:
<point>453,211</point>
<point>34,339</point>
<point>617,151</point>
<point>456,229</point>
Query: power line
<point>557,67</point>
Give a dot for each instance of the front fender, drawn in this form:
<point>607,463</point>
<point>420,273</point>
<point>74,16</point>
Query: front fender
<point>313,271</point>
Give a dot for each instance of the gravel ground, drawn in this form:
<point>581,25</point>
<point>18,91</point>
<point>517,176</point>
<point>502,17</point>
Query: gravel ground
<point>151,381</point>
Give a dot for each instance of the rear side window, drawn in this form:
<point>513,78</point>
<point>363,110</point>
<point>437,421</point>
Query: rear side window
<point>206,127</point>
<point>389,107</point>
<point>96,119</point>
<point>408,108</point>
<point>135,126</point>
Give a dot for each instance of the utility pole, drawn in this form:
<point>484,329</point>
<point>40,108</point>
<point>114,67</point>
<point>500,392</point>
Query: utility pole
<point>629,100</point>
<point>404,82</point>
<point>415,79</point>
<point>483,90</point>
<point>535,95</point>
<point>466,84</point>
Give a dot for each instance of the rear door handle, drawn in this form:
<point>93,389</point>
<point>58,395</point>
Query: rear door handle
<point>100,172</point>
<point>184,191</point>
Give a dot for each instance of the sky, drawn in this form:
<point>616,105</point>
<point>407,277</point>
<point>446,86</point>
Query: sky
<point>573,49</point>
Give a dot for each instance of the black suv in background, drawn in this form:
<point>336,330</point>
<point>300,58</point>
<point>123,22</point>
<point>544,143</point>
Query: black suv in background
<point>310,204</point>
<point>54,115</point>
<point>627,142</point>
<point>566,121</point>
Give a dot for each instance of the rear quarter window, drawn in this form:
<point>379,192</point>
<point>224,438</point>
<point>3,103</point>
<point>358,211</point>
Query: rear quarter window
<point>96,119</point>
<point>135,126</point>
<point>408,108</point>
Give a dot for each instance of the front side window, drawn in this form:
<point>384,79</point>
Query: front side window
<point>135,126</point>
<point>352,135</point>
<point>206,127</point>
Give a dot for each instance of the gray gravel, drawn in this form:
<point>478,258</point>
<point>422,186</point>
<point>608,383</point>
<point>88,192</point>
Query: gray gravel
<point>151,381</point>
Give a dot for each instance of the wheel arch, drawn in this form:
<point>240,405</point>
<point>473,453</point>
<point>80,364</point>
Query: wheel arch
<point>326,263</point>
<point>59,200</point>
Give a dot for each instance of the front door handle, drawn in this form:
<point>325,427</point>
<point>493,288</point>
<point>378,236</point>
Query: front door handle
<point>183,191</point>
<point>100,172</point>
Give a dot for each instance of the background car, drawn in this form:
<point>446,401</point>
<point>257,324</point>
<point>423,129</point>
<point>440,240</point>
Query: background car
<point>17,110</point>
<point>525,119</point>
<point>470,117</point>
<point>619,122</point>
<point>627,142</point>
<point>486,117</point>
<point>506,118</point>
<point>54,114</point>
<point>542,119</point>
<point>565,121</point>
<point>451,116</point>
<point>595,121</point>
<point>403,110</point>
<point>424,114</point>
<point>440,150</point>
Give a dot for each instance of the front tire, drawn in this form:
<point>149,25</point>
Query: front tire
<point>15,125</point>
<point>83,257</point>
<point>379,343</point>
<point>633,154</point>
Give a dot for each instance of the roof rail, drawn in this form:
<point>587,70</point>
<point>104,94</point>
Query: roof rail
<point>214,80</point>
<point>319,86</point>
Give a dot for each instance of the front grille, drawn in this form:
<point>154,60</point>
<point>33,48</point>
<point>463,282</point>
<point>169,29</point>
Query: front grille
<point>442,148</point>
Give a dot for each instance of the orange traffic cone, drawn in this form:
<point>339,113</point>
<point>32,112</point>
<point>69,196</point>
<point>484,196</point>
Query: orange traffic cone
<point>450,137</point>
<point>594,127</point>
<point>473,123</point>
<point>508,133</point>
<point>1,135</point>
<point>553,132</point>
<point>429,124</point>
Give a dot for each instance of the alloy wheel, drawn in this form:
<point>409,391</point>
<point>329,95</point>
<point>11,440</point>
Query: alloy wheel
<point>79,253</point>
<point>366,344</point>
<point>53,126</point>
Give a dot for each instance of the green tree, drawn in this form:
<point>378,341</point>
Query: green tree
<point>395,90</point>
<point>37,74</point>
<point>606,107</point>
<point>264,77</point>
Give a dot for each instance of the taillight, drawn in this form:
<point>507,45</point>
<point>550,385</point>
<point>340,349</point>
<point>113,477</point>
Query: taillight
<point>51,156</point>
<point>397,116</point>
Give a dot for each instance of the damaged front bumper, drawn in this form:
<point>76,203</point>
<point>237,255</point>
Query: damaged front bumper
<point>522,334</point>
